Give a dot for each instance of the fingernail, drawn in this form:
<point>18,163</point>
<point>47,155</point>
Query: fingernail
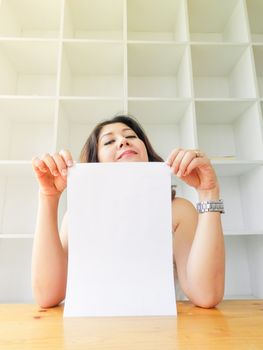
<point>64,172</point>
<point>69,163</point>
<point>55,173</point>
<point>179,173</point>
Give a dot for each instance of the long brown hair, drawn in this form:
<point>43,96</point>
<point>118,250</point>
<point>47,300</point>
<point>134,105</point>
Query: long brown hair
<point>89,152</point>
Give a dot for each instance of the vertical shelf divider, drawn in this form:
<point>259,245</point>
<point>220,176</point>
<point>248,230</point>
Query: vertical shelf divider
<point>125,57</point>
<point>195,141</point>
<point>59,65</point>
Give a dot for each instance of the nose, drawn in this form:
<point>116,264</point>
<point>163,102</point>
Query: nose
<point>123,142</point>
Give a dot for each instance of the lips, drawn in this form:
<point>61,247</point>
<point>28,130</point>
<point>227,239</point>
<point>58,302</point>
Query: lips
<point>127,152</point>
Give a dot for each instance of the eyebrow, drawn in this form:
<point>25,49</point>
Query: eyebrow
<point>110,133</point>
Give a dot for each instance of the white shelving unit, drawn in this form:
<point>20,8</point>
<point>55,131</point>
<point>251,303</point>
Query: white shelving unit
<point>191,71</point>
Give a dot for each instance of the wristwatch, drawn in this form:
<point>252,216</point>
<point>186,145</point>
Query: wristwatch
<point>210,206</point>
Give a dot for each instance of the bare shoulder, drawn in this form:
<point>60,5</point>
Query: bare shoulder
<point>182,210</point>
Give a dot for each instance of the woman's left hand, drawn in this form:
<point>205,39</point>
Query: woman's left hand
<point>194,168</point>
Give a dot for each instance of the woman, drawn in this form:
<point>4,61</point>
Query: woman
<point>198,243</point>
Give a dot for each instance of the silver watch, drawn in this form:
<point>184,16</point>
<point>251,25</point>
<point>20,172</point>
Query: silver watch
<point>210,206</point>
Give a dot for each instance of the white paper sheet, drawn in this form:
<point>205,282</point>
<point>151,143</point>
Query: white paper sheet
<point>120,240</point>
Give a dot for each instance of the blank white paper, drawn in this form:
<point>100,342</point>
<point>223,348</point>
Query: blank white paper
<point>120,240</point>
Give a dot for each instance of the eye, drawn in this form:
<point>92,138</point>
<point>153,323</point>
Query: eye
<point>131,137</point>
<point>108,142</point>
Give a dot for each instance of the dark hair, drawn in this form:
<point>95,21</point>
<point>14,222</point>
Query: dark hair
<point>89,152</point>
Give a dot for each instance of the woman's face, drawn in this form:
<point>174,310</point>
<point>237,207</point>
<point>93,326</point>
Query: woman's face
<point>118,143</point>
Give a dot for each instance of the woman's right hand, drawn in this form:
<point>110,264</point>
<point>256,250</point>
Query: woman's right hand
<point>51,172</point>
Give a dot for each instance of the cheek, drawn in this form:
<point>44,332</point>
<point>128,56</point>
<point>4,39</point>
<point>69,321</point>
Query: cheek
<point>105,154</point>
<point>143,151</point>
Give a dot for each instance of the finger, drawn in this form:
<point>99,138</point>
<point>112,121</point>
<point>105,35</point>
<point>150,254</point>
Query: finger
<point>177,161</point>
<point>60,163</point>
<point>66,155</point>
<point>197,162</point>
<point>171,157</point>
<point>39,165</point>
<point>188,157</point>
<point>51,164</point>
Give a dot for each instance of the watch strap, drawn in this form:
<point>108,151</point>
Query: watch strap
<point>210,206</point>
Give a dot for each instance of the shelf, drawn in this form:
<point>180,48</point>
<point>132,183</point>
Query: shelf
<point>17,236</point>
<point>92,69</point>
<point>15,271</point>
<point>26,128</point>
<point>243,233</point>
<point>237,274</point>
<point>78,117</point>
<point>94,19</point>
<point>191,73</point>
<point>169,124</point>
<point>156,70</point>
<point>156,20</point>
<point>258,56</point>
<point>30,18</point>
<point>243,267</point>
<point>220,71</point>
<point>214,21</point>
<point>255,10</point>
<point>18,204</point>
<point>239,120</point>
<point>241,297</point>
<point>238,192</point>
<point>16,168</point>
<point>234,167</point>
<point>28,68</point>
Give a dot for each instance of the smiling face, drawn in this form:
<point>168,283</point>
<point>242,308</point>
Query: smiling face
<point>119,143</point>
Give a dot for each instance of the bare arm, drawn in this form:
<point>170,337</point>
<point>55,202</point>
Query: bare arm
<point>199,254</point>
<point>198,238</point>
<point>49,257</point>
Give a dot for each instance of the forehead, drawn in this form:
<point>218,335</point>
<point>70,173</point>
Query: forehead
<point>114,127</point>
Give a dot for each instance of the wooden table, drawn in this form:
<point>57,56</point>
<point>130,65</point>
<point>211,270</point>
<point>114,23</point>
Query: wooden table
<point>232,325</point>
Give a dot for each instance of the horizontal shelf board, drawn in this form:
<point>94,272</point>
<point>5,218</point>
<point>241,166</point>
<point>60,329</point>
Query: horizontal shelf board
<point>92,41</point>
<point>158,42</point>
<point>234,167</point>
<point>16,168</point>
<point>31,40</point>
<point>90,98</point>
<point>161,99</point>
<point>223,99</point>
<point>28,97</point>
<point>17,236</point>
<point>241,297</point>
<point>227,44</point>
<point>242,233</point>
